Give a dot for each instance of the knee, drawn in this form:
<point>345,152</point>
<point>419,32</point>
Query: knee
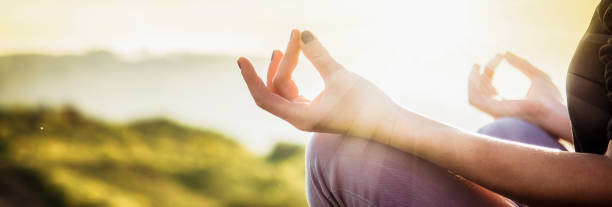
<point>349,171</point>
<point>321,146</point>
<point>319,154</point>
<point>501,124</point>
<point>327,149</point>
<point>339,167</point>
<point>513,129</point>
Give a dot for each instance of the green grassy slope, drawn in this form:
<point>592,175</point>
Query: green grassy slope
<point>64,159</point>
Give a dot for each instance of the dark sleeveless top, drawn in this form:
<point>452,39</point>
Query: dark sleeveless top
<point>589,84</point>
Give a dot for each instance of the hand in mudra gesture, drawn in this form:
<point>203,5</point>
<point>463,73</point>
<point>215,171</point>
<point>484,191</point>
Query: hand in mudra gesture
<point>348,104</point>
<point>541,105</point>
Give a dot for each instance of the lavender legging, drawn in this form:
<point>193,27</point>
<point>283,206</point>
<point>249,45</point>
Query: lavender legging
<point>345,171</point>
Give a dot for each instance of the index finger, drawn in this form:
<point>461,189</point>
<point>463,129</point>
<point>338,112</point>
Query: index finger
<point>524,66</point>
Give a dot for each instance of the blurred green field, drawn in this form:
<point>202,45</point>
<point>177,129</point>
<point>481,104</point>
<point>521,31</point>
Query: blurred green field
<point>57,157</point>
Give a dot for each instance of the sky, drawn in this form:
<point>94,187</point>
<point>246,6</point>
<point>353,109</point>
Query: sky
<point>234,26</point>
<point>419,52</point>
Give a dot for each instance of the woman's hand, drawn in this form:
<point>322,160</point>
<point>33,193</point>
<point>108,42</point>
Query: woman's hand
<point>351,105</point>
<point>542,105</point>
<point>348,104</point>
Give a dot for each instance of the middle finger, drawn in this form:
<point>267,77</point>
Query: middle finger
<point>290,59</point>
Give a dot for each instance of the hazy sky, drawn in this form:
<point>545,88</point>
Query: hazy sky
<point>419,52</point>
<point>249,26</point>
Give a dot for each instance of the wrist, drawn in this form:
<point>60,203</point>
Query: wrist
<point>412,132</point>
<point>387,129</point>
<point>531,111</point>
<point>552,117</point>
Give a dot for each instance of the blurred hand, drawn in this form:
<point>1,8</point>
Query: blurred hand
<point>348,104</point>
<point>543,100</point>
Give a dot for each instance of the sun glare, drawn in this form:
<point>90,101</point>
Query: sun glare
<point>419,52</point>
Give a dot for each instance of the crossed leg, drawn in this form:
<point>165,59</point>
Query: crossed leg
<point>346,171</point>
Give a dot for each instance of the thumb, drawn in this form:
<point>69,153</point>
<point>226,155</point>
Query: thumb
<point>318,55</point>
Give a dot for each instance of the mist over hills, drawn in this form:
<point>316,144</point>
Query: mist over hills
<point>204,91</point>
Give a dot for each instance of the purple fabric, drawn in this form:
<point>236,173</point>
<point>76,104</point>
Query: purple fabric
<point>345,171</point>
<point>520,131</point>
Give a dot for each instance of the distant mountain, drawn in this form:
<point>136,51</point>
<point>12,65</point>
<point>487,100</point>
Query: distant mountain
<point>58,157</point>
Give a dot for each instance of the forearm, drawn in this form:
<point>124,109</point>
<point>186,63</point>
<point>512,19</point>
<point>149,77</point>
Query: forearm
<point>529,174</point>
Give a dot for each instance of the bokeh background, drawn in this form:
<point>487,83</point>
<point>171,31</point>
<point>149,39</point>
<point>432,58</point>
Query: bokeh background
<point>140,103</point>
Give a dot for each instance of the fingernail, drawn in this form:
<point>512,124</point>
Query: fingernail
<point>307,36</point>
<point>239,66</point>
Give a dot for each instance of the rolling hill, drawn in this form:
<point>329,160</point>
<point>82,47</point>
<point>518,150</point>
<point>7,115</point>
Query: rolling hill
<point>58,157</point>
